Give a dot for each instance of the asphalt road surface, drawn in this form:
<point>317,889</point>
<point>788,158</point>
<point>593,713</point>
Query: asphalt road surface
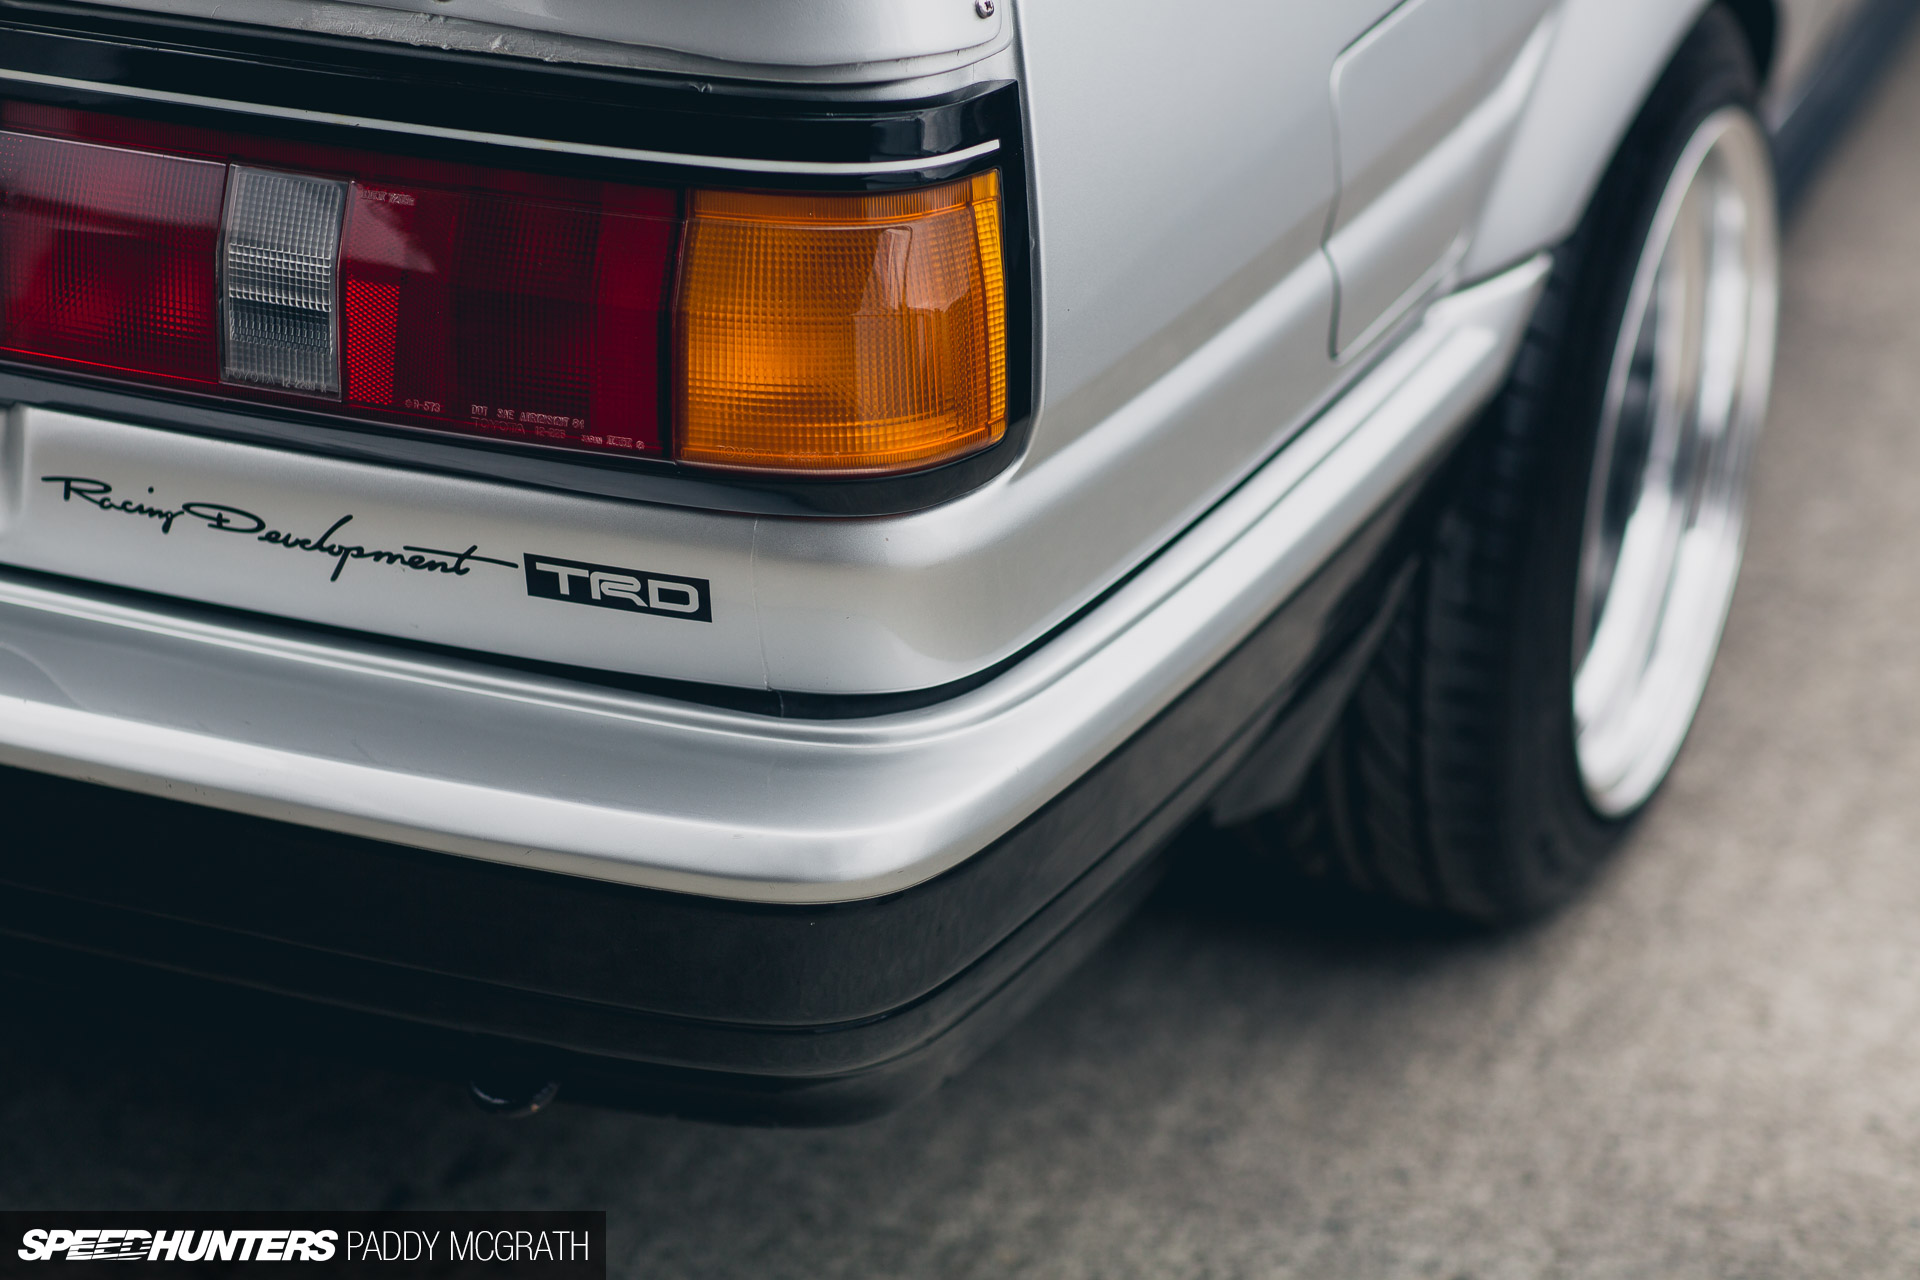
<point>1710,1066</point>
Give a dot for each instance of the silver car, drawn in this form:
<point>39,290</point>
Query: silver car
<point>696,552</point>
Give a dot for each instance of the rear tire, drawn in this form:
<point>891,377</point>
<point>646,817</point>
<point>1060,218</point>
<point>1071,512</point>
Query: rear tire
<point>1537,682</point>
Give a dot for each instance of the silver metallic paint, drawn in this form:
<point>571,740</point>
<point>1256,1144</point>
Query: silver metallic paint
<point>1605,56</point>
<point>846,36</point>
<point>1392,250</point>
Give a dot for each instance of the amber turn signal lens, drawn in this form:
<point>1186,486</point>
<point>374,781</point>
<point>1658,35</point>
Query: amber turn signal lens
<point>841,333</point>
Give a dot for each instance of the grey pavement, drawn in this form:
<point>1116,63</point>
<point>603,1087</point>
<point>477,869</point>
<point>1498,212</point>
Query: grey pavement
<point>1710,1066</point>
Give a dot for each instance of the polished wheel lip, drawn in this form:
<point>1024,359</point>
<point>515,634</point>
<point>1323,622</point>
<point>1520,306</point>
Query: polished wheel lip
<point>1665,520</point>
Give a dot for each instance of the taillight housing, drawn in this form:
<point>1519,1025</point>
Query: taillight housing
<point>797,333</point>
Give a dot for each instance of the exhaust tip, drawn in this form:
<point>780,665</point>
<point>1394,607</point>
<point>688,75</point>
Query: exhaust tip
<point>512,1097</point>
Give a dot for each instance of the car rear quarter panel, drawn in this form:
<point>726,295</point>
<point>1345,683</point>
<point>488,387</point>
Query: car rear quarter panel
<point>1181,168</point>
<point>1605,57</point>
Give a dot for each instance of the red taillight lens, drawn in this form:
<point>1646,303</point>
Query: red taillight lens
<point>510,305</point>
<point>107,257</point>
<point>500,313</point>
<point>844,333</point>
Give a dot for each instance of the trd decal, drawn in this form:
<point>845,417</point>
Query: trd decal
<point>608,586</point>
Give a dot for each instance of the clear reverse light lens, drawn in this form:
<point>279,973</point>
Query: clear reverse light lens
<point>278,311</point>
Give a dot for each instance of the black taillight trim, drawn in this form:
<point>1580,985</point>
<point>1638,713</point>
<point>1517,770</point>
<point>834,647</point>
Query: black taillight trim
<point>314,78</point>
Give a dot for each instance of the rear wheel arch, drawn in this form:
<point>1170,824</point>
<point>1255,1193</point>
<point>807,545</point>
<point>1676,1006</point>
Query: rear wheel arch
<point>1605,59</point>
<point>1489,760</point>
<point>1760,22</point>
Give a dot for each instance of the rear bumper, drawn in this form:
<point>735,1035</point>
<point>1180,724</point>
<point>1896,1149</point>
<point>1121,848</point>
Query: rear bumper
<point>713,909</point>
<point>747,1011</point>
<point>443,753</point>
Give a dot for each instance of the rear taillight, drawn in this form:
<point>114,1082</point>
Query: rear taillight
<point>855,334</point>
<point>106,258</point>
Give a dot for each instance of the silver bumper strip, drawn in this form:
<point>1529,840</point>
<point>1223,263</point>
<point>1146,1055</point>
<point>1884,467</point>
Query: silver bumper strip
<point>459,757</point>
